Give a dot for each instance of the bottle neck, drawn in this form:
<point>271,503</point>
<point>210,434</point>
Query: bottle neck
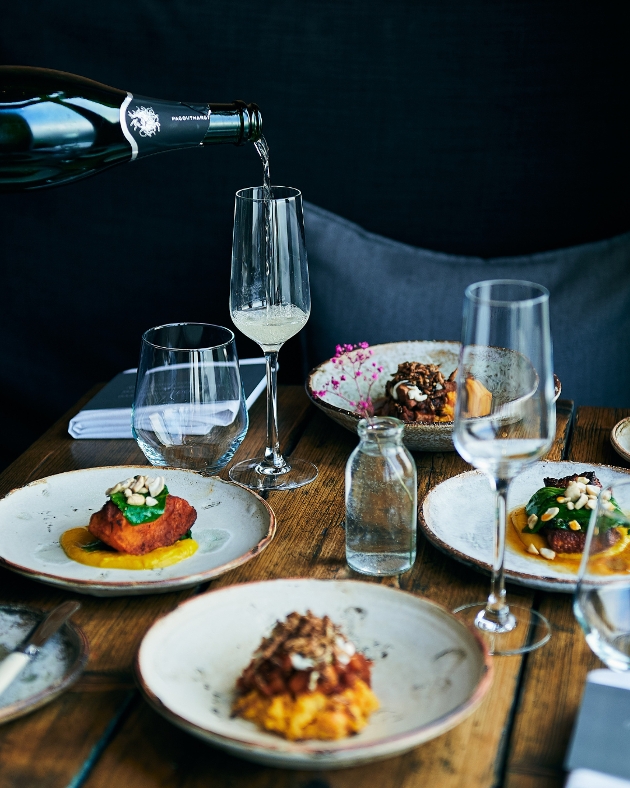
<point>237,123</point>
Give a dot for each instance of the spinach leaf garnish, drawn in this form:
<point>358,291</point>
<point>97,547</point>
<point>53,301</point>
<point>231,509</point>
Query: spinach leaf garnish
<point>137,515</point>
<point>546,498</point>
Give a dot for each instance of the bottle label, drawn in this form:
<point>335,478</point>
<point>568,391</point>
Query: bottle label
<point>151,125</point>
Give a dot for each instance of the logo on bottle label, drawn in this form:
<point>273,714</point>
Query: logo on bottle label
<point>142,118</point>
<point>145,121</point>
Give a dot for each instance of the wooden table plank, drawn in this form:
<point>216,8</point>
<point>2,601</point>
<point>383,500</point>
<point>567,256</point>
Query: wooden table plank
<point>549,705</point>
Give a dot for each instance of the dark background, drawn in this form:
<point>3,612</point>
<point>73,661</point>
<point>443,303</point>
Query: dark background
<point>479,128</point>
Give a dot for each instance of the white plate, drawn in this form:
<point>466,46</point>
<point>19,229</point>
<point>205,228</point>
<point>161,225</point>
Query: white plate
<point>233,525</point>
<point>458,517</point>
<point>430,671</point>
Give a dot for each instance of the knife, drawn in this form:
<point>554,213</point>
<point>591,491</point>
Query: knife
<point>14,664</point>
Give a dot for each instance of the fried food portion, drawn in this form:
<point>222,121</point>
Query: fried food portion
<point>306,681</point>
<point>111,526</point>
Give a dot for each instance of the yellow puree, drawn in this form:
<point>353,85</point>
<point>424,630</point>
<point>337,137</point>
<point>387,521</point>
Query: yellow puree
<point>73,540</point>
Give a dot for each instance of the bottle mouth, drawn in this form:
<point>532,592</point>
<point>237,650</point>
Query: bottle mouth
<point>380,427</point>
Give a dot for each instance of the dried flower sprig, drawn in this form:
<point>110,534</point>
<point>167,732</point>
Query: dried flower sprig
<point>350,361</point>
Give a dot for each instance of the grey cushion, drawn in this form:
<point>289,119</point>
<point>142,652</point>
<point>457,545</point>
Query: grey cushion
<point>367,287</point>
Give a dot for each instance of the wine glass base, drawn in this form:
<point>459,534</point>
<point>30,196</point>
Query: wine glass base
<point>258,476</point>
<point>528,630</point>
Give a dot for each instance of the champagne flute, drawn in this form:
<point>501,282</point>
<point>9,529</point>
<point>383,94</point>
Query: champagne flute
<point>270,301</point>
<point>506,347</point>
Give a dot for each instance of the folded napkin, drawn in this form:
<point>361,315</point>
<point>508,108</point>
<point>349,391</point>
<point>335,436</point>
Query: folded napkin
<point>108,414</point>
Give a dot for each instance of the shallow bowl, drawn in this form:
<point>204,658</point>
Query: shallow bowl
<point>418,436</point>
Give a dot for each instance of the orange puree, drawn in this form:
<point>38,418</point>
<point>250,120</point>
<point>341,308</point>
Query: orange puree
<point>72,542</point>
<point>611,561</point>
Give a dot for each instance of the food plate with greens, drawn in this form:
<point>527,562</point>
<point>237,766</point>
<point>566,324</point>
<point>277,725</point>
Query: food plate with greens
<point>549,507</point>
<point>231,525</point>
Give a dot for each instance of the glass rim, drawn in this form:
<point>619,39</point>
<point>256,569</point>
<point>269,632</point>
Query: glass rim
<point>240,194</point>
<point>229,341</point>
<point>543,296</point>
<point>380,425</point>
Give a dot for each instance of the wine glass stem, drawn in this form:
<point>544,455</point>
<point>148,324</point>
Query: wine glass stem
<point>496,607</point>
<point>273,457</point>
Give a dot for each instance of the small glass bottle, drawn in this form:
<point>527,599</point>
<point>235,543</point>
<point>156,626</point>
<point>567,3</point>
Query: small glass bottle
<point>381,500</point>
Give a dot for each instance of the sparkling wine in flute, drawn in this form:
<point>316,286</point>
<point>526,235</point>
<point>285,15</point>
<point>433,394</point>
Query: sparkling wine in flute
<point>270,326</point>
<point>57,127</point>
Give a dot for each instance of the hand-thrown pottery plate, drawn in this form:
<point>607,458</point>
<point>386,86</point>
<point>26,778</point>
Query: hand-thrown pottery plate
<point>429,673</point>
<point>233,525</point>
<point>417,436</point>
<point>58,665</point>
<point>458,517</point>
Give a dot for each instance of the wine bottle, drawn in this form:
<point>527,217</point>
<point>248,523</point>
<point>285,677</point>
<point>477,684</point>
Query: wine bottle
<point>57,127</point>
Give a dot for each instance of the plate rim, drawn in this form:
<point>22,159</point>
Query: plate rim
<point>77,635</point>
<point>621,451</point>
<point>322,756</point>
<point>145,585</point>
<point>520,578</point>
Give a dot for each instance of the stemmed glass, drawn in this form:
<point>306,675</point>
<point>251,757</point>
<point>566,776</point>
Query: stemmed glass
<point>270,301</point>
<point>602,598</point>
<point>506,347</point>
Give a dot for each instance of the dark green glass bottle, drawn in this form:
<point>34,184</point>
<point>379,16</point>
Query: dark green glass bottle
<point>56,127</point>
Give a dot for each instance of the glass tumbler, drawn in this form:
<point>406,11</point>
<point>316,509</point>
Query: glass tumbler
<point>189,407</point>
<point>381,500</point>
<point>602,599</point>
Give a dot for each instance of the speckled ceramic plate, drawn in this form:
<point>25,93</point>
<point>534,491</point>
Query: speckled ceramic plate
<point>233,525</point>
<point>430,671</point>
<point>458,517</point>
<point>58,665</point>
<point>417,437</point>
<point>620,438</point>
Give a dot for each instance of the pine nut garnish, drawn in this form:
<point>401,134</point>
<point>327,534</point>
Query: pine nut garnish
<point>581,501</point>
<point>548,554</point>
<point>574,525</point>
<point>135,499</point>
<point>591,489</point>
<point>583,479</point>
<point>533,549</point>
<point>532,520</point>
<point>561,499</point>
<point>570,505</point>
<point>150,501</point>
<point>550,514</point>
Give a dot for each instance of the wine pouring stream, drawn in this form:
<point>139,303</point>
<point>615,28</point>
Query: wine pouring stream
<point>270,302</point>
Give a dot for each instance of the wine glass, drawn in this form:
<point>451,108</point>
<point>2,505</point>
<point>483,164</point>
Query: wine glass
<point>506,351</point>
<point>189,406</point>
<point>602,599</point>
<point>270,301</point>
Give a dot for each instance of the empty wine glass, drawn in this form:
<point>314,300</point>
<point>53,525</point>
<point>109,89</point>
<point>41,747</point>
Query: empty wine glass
<point>504,421</point>
<point>189,406</point>
<point>602,599</point>
<point>270,302</point>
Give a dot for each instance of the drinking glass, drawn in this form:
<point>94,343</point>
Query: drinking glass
<point>602,599</point>
<point>270,301</point>
<point>189,406</point>
<point>506,346</point>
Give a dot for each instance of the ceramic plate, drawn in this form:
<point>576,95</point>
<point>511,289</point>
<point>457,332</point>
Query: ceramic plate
<point>429,673</point>
<point>233,525</point>
<point>58,665</point>
<point>418,437</point>
<point>458,517</point>
<point>620,438</point>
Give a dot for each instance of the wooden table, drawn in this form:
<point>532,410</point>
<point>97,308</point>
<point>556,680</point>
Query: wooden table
<point>101,733</point>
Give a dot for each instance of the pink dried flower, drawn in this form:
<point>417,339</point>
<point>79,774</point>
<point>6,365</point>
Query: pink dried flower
<point>349,360</point>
